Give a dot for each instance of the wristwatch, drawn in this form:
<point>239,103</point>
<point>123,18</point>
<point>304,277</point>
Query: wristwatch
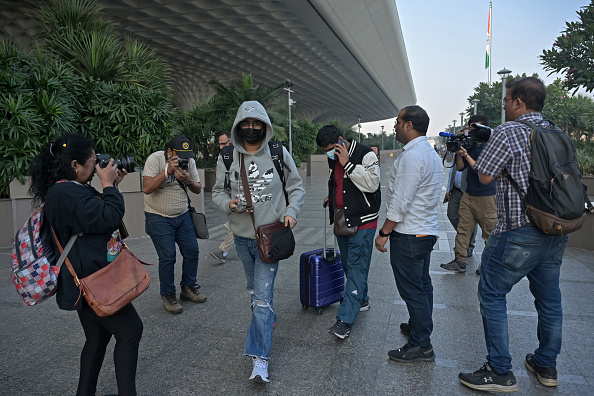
<point>188,184</point>
<point>382,233</point>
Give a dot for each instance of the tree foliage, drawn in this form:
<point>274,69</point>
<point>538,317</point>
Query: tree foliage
<point>573,52</point>
<point>82,77</point>
<point>38,102</point>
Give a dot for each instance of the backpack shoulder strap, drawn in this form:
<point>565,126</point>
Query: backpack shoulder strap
<point>276,153</point>
<point>227,156</point>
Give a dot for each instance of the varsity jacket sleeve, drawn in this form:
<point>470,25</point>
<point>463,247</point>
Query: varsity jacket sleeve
<point>366,177</point>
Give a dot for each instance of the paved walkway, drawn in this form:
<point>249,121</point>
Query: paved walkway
<point>199,351</point>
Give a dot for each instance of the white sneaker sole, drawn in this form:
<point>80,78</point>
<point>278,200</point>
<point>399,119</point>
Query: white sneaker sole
<point>220,260</point>
<point>259,378</point>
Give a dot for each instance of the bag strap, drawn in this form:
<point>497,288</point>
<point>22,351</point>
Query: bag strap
<point>246,188</point>
<point>187,195</point>
<point>276,153</point>
<point>64,254</point>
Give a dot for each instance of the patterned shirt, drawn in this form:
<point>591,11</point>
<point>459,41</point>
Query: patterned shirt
<point>169,200</point>
<point>509,149</point>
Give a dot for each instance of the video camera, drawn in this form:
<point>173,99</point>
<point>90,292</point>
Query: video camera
<point>478,134</point>
<point>456,142</point>
<point>126,163</point>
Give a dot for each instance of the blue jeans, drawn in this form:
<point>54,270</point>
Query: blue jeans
<point>507,258</point>
<point>165,232</point>
<point>410,256</point>
<point>259,278</point>
<point>355,252</point>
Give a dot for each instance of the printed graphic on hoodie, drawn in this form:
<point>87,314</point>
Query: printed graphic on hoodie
<point>257,181</point>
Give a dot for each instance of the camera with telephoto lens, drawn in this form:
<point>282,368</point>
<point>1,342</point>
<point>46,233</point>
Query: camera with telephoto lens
<point>126,163</point>
<point>456,142</point>
<point>183,163</point>
<point>478,134</point>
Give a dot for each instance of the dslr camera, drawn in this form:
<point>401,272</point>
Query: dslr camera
<point>183,163</point>
<point>126,163</point>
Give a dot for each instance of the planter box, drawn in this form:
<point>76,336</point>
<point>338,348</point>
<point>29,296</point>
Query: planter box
<point>302,170</point>
<point>589,182</point>
<point>209,179</point>
<point>317,165</point>
<point>16,210</point>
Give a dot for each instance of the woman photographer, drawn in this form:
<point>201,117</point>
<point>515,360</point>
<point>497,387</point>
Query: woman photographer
<point>59,180</point>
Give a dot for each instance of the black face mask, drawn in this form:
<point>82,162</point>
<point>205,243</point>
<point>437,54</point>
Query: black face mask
<point>251,136</point>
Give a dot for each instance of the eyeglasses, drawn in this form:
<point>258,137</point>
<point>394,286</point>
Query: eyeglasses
<point>224,143</point>
<point>254,124</point>
<point>504,101</point>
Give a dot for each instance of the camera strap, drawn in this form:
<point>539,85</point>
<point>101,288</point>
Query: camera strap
<point>187,195</point>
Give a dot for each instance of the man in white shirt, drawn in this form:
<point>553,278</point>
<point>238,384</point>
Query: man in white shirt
<point>411,225</point>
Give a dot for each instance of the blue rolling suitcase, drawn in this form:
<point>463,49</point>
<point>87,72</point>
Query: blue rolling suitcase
<point>321,277</point>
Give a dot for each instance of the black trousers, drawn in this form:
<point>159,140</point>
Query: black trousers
<point>127,328</point>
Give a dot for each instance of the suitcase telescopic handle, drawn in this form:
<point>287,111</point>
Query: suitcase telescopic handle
<point>325,242</point>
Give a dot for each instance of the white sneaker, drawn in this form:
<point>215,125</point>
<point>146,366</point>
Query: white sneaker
<point>260,370</point>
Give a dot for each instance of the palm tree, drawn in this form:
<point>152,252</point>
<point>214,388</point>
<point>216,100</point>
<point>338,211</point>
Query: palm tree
<point>75,32</point>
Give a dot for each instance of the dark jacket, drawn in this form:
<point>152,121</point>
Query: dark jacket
<point>361,194</point>
<point>72,208</point>
<point>474,186</point>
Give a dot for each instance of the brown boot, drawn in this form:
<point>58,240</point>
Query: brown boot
<point>171,304</point>
<point>190,293</point>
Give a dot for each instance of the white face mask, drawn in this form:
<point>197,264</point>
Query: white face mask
<point>330,154</point>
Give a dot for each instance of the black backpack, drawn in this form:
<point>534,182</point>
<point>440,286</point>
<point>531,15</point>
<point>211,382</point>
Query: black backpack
<point>276,153</point>
<point>556,199</point>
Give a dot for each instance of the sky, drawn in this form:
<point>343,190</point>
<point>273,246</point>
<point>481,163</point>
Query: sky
<point>445,42</point>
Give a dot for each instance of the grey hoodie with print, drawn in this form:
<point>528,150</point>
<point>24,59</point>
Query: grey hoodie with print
<point>265,184</point>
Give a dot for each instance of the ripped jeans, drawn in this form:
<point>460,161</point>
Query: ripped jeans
<point>259,278</point>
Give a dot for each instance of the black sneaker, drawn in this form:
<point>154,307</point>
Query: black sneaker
<point>412,353</point>
<point>340,329</point>
<point>546,375</point>
<point>405,329</point>
<point>365,306</point>
<point>485,379</point>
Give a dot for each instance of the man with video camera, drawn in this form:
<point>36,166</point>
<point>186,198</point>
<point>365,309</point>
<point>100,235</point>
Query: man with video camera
<point>478,202</point>
<point>166,175</point>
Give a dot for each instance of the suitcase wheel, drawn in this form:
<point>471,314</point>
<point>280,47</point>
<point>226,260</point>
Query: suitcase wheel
<point>304,306</point>
<point>319,311</point>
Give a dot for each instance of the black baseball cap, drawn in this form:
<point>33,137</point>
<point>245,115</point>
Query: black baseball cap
<point>182,146</point>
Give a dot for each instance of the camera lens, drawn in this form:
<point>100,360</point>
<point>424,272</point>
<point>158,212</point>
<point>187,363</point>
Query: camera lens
<point>126,163</point>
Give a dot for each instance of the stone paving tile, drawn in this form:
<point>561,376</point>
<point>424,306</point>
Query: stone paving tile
<point>199,351</point>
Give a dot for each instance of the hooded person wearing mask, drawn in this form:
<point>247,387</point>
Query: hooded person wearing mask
<point>250,135</point>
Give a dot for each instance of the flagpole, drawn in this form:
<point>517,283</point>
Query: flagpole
<point>489,38</point>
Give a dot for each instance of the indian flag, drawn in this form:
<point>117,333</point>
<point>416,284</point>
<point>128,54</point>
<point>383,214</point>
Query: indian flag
<point>488,55</point>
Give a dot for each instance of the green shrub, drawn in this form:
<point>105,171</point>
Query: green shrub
<point>126,119</point>
<point>38,102</point>
<point>585,152</point>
